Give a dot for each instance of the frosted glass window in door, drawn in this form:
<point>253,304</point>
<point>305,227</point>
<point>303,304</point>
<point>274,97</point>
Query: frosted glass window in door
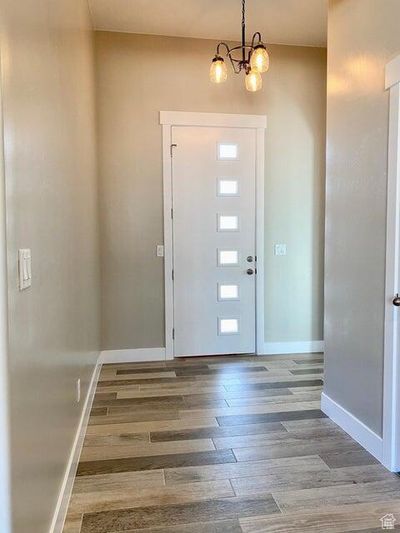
<point>228,291</point>
<point>228,326</point>
<point>228,257</point>
<point>228,223</point>
<point>227,151</point>
<point>227,187</point>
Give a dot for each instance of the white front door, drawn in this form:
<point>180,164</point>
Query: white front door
<point>214,210</point>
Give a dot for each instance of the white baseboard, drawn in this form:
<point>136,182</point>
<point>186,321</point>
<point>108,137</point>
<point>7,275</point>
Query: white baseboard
<point>369,440</point>
<point>274,348</point>
<point>135,355</point>
<point>60,513</point>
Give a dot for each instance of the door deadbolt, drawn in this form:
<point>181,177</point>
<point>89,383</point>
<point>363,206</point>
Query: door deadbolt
<point>396,300</point>
<point>249,258</point>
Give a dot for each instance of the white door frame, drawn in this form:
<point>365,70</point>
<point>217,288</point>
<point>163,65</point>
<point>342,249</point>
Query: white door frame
<point>5,456</point>
<point>391,379</point>
<point>219,120</point>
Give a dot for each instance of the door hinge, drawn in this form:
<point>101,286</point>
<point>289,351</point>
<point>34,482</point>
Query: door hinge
<point>172,146</point>
<point>173,275</point>
<point>172,213</point>
<point>173,333</point>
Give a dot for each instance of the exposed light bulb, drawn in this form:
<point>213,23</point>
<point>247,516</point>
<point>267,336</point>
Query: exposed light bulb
<point>218,72</point>
<point>253,81</point>
<point>259,59</point>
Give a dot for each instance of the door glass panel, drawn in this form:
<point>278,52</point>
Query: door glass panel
<point>228,292</point>
<point>228,223</point>
<point>227,151</point>
<point>228,187</point>
<point>228,257</point>
<point>228,326</point>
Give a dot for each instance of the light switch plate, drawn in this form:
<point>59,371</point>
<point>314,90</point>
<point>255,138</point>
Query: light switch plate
<point>24,268</point>
<point>160,250</point>
<point>280,249</point>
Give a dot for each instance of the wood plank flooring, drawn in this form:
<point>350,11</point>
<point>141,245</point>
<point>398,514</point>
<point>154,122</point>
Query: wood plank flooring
<point>232,444</point>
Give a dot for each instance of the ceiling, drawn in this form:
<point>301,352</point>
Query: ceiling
<point>296,22</point>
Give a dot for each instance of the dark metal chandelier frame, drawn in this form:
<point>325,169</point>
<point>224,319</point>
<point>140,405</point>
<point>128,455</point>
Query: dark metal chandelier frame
<point>242,63</point>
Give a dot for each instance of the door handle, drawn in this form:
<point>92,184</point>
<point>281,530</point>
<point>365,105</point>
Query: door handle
<point>250,272</point>
<point>396,300</point>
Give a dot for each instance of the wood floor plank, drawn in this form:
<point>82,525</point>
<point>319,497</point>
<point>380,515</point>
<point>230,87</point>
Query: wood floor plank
<point>137,496</point>
<point>335,459</point>
<point>219,509</point>
<point>132,369</point>
<point>115,440</point>
<point>189,386</point>
<point>256,400</point>
<point>98,411</point>
<point>212,392</point>
<point>291,480</point>
<point>274,385</point>
<point>277,416</point>
<point>131,464</point>
<point>146,449</point>
<point>144,381</point>
<point>226,381</point>
<point>296,465</point>
<point>345,518</point>
<point>104,396</point>
<point>302,390</point>
<point>317,498</point>
<point>135,416</point>
<point>269,439</point>
<point>221,526</point>
<point>198,401</point>
<point>148,404</point>
<point>119,482</point>
<point>305,424</point>
<point>293,450</point>
<point>127,409</point>
<point>307,362</point>
<point>138,376</point>
<point>158,425</point>
<point>224,371</point>
<point>210,432</point>
<point>260,409</point>
<point>302,371</point>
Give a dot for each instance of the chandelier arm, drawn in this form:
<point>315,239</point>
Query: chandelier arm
<point>253,44</point>
<point>257,34</point>
<point>228,51</point>
<point>229,55</point>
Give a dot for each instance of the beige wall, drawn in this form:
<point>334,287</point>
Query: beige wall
<point>362,36</point>
<point>48,89</point>
<point>137,76</point>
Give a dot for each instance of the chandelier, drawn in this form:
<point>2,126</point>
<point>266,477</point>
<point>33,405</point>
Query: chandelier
<point>252,58</point>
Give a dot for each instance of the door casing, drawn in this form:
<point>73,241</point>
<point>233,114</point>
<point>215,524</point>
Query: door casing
<point>168,119</point>
<point>391,375</point>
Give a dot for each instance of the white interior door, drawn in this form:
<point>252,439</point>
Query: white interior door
<point>213,182</point>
